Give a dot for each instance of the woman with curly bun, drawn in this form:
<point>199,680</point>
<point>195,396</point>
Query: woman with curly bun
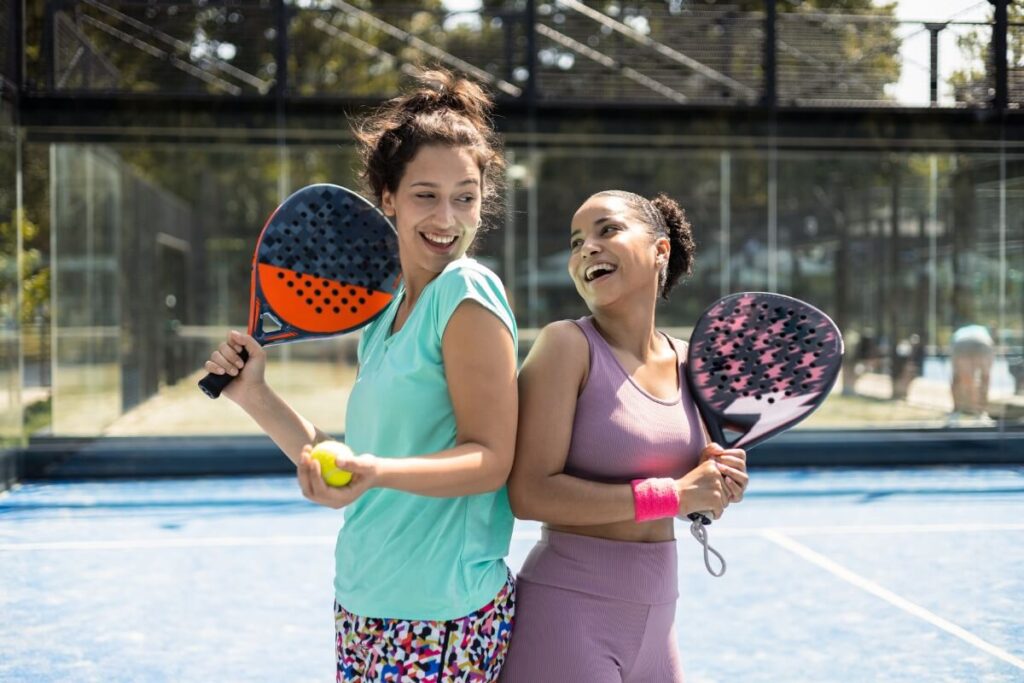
<point>422,591</point>
<point>610,450</point>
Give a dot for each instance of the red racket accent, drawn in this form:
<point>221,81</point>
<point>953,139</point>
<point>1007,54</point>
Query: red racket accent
<point>318,305</point>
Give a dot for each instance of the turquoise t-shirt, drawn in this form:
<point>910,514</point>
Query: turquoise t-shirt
<point>401,555</point>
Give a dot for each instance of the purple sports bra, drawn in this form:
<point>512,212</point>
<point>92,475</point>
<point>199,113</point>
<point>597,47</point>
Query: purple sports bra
<point>620,432</point>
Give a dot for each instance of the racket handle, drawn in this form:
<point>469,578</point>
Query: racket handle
<point>213,384</point>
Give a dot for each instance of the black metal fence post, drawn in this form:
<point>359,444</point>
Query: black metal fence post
<point>531,51</point>
<point>48,50</point>
<point>15,56</point>
<point>770,66</point>
<point>933,74</point>
<point>999,29</point>
<point>281,49</point>
<point>18,38</point>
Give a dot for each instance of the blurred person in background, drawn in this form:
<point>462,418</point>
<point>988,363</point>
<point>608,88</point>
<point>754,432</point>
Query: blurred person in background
<point>972,354</point>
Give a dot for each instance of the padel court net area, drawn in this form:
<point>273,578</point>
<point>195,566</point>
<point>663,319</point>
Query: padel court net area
<point>833,575</point>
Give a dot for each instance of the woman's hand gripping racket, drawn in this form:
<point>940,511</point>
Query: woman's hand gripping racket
<point>325,264</point>
<point>757,364</point>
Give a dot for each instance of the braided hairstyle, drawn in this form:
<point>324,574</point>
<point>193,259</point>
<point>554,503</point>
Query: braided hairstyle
<point>664,218</point>
<point>444,110</point>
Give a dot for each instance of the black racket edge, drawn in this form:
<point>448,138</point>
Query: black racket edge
<point>212,385</point>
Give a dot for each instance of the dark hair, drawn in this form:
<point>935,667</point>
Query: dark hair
<point>664,218</point>
<point>443,110</point>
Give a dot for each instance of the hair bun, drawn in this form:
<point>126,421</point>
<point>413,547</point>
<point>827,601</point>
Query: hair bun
<point>444,91</point>
<point>680,235</point>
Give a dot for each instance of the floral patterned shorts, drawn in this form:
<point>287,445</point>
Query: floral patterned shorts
<point>471,648</point>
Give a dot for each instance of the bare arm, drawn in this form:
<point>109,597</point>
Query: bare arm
<point>289,430</point>
<point>549,383</point>
<point>480,366</point>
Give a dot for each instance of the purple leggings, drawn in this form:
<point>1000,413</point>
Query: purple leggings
<point>592,610</point>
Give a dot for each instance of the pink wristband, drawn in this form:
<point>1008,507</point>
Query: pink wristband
<point>655,499</point>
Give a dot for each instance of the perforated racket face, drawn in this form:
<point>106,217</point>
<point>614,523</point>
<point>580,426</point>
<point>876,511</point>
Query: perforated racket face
<point>758,363</point>
<point>326,264</point>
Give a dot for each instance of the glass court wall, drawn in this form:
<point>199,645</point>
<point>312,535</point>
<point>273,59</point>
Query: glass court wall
<point>149,248</point>
<point>10,246</point>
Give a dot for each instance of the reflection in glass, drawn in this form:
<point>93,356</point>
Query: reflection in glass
<point>10,377</point>
<point>152,245</point>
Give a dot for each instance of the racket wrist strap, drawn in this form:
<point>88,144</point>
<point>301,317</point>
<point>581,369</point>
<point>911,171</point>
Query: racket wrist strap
<point>655,498</point>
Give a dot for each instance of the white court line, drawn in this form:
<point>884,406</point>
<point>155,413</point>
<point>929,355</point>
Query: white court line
<point>145,543</point>
<point>879,529</point>
<point>525,535</point>
<point>867,529</point>
<point>204,542</point>
<point>871,587</point>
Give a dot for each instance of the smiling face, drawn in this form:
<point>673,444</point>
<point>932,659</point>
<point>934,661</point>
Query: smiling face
<point>612,252</point>
<point>436,209</point>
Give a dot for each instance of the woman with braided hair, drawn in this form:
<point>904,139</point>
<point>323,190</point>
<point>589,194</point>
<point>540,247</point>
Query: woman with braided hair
<point>422,592</point>
<point>610,449</point>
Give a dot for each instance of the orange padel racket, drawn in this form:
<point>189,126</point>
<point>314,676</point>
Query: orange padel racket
<point>325,264</point>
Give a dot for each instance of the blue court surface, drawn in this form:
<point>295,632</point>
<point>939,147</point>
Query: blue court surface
<point>834,575</point>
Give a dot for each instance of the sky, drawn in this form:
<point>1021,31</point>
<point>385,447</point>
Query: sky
<point>912,88</point>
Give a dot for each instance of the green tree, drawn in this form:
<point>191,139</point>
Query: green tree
<point>36,281</point>
<point>974,83</point>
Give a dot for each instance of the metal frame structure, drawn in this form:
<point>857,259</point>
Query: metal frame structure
<point>640,57</point>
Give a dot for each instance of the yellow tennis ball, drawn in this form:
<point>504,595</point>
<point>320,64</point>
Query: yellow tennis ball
<point>325,452</point>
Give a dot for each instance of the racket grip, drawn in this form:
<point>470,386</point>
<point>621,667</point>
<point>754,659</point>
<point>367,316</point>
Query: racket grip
<point>213,384</point>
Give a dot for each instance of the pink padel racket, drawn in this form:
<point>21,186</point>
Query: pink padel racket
<point>758,363</point>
